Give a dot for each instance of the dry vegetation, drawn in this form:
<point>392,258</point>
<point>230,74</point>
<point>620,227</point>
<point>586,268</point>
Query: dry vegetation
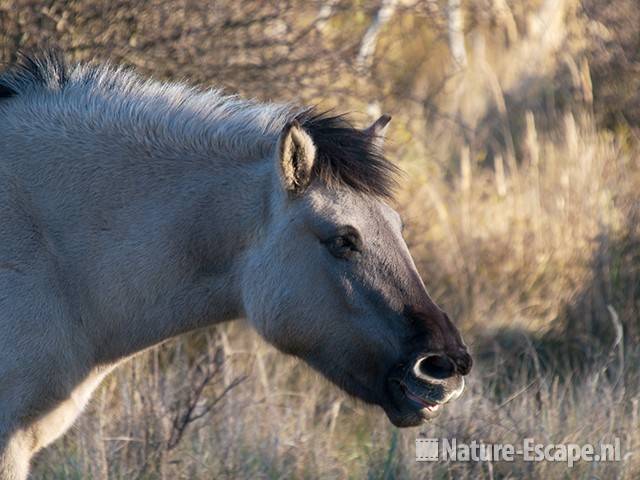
<point>521,147</point>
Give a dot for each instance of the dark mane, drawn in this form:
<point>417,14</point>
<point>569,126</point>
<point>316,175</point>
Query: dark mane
<point>44,69</point>
<point>348,156</point>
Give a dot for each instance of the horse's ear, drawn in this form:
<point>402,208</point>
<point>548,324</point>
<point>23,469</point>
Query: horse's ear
<point>378,129</point>
<point>297,154</point>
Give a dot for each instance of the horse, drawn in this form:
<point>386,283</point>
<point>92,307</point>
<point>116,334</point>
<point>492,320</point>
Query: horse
<point>132,211</point>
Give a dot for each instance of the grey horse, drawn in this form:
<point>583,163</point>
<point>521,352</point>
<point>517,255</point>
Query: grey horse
<point>132,211</point>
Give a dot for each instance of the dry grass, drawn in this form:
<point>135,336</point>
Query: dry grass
<point>523,215</point>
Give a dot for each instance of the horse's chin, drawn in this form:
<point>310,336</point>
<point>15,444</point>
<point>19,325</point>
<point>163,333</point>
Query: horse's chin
<point>406,410</point>
<point>412,419</point>
<point>405,405</point>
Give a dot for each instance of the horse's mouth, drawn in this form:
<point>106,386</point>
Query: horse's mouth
<point>429,406</point>
<point>414,402</point>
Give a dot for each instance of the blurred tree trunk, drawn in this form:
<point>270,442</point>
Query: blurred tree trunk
<point>370,39</point>
<point>455,27</point>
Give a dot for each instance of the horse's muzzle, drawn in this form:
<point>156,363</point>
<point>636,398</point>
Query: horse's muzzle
<point>423,386</point>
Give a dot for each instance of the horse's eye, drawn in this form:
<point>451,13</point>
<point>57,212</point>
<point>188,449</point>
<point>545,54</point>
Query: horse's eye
<point>343,245</point>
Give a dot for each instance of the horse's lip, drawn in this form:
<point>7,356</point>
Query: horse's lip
<point>424,403</point>
<point>405,408</point>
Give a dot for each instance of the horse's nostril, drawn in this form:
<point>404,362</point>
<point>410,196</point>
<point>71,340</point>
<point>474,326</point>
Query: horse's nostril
<point>434,366</point>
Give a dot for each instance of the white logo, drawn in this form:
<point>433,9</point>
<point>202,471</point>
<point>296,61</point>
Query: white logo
<point>426,449</point>
<point>434,449</point>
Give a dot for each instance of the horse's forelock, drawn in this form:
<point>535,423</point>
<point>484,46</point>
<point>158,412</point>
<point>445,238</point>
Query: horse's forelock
<point>348,156</point>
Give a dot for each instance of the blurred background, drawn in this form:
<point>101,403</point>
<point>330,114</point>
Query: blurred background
<point>517,123</point>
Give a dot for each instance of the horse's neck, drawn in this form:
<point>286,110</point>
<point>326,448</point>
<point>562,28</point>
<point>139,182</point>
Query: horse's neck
<point>180,265</point>
<point>149,210</point>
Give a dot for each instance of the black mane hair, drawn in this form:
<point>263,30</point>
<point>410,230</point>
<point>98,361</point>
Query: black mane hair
<point>347,155</point>
<point>46,68</point>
